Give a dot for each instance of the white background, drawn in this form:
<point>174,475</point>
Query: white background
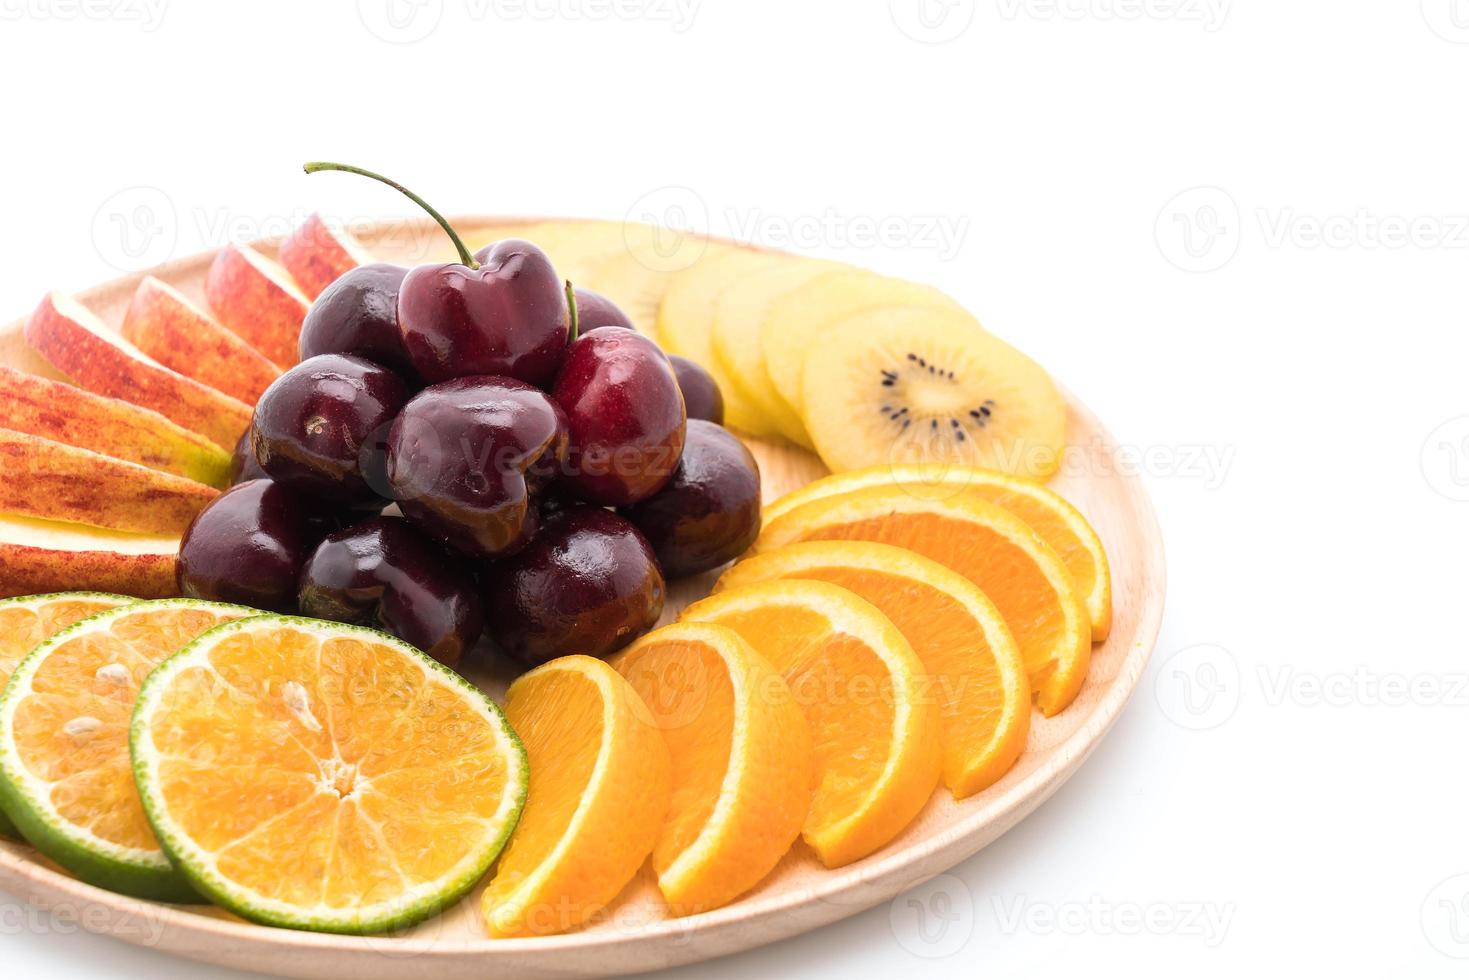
<point>1287,346</point>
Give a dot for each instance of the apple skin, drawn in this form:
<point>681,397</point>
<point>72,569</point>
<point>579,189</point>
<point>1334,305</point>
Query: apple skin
<point>178,335</point>
<point>316,254</point>
<point>37,557</point>
<point>65,413</point>
<point>80,346</point>
<point>258,300</point>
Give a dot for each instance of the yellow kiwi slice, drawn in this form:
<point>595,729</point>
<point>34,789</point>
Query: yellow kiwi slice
<point>637,277</point>
<point>797,317</point>
<point>917,385</point>
<point>577,248</point>
<point>738,314</point>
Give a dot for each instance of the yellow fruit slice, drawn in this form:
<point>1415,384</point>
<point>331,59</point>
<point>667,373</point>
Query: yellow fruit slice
<point>994,549</point>
<point>66,778</point>
<point>874,724</point>
<point>795,319</point>
<point>741,757</point>
<point>914,385</point>
<point>686,325</point>
<point>975,672</point>
<point>738,313</point>
<point>28,621</point>
<point>599,791</point>
<point>637,277</point>
<point>1059,524</point>
<point>319,776</point>
<point>576,248</point>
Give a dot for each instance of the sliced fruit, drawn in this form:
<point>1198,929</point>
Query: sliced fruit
<point>637,278</point>
<point>320,776</point>
<point>171,330</point>
<point>974,670</point>
<point>796,318</point>
<point>599,790</point>
<point>16,354</point>
<point>741,755</point>
<point>82,347</point>
<point>28,621</point>
<point>576,248</point>
<point>738,313</point>
<point>1059,524</point>
<point>913,385</point>
<point>65,776</point>
<point>994,549</point>
<point>65,413</point>
<point>874,724</point>
<point>318,251</point>
<point>54,481</point>
<point>686,324</point>
<point>49,556</point>
<point>257,299</point>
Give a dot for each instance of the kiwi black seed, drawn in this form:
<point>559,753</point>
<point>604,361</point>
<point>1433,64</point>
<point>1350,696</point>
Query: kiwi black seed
<point>979,417</point>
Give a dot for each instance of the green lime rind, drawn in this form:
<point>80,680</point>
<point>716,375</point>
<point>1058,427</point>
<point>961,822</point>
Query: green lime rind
<point>398,912</point>
<point>8,830</point>
<point>129,871</point>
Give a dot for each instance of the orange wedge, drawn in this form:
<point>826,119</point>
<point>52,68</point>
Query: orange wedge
<point>1059,524</point>
<point>975,672</point>
<point>994,549</point>
<point>874,732</point>
<point>741,757</point>
<point>599,788</point>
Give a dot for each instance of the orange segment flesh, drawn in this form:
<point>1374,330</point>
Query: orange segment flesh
<point>598,793</point>
<point>874,733</point>
<point>741,756</point>
<point>27,622</point>
<point>1058,523</point>
<point>975,672</point>
<point>985,543</point>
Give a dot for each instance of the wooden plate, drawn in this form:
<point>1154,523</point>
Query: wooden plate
<point>635,935</point>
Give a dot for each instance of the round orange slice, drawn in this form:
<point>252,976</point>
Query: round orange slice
<point>874,729</point>
<point>741,757</point>
<point>599,789</point>
<point>1059,524</point>
<point>997,551</point>
<point>975,672</point>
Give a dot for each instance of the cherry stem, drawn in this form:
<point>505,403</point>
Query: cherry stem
<point>575,320</point>
<point>464,255</point>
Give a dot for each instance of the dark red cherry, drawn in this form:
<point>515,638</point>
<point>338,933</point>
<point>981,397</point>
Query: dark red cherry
<point>465,458</point>
<point>701,395</point>
<point>385,574</point>
<point>249,546</point>
<point>625,416</point>
<point>242,464</point>
<point>320,428</point>
<point>709,513</point>
<point>588,584</point>
<point>358,314</point>
<point>594,310</point>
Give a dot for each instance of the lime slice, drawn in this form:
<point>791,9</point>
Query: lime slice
<point>65,776</point>
<point>319,776</point>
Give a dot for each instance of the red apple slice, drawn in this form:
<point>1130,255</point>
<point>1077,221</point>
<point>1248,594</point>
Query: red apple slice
<point>259,301</point>
<point>80,346</point>
<point>317,252</point>
<point>177,334</point>
<point>50,556</point>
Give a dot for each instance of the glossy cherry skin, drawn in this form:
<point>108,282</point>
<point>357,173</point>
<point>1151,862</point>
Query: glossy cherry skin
<point>588,584</point>
<point>386,574</point>
<point>321,427</point>
<point>709,513</point>
<point>249,546</point>
<point>466,457</point>
<point>358,314</point>
<point>701,395</point>
<point>508,317</point>
<point>593,310</point>
<point>242,463</point>
<point>625,415</point>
